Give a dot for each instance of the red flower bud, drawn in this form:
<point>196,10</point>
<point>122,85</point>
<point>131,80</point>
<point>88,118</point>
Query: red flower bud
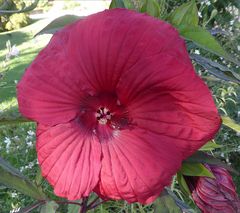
<point>215,195</point>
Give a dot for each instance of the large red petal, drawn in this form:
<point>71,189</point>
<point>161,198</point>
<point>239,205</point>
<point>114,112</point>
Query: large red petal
<point>136,165</point>
<point>169,99</point>
<point>108,44</point>
<point>89,57</point>
<point>52,87</point>
<point>69,158</point>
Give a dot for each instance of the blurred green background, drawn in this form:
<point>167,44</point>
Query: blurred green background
<point>17,141</point>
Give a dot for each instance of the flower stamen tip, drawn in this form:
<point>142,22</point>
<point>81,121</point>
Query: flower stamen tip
<point>103,115</point>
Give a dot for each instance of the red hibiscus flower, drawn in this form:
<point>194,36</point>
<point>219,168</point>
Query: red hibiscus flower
<point>118,106</point>
<point>215,195</point>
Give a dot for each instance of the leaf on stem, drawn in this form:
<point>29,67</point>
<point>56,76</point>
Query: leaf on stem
<point>202,38</point>
<point>12,178</point>
<point>168,202</point>
<point>151,7</point>
<point>58,24</point>
<point>186,14</point>
<point>74,208</point>
<point>195,169</point>
<point>13,120</point>
<point>30,208</point>
<point>216,69</point>
<point>117,4</point>
<point>165,203</point>
<point>230,123</point>
<point>210,146</point>
<point>182,183</point>
<point>49,207</point>
<point>202,157</point>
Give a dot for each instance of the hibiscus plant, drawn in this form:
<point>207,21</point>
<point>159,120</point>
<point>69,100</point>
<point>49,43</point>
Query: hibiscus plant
<point>122,114</point>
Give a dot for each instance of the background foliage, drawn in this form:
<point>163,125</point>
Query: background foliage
<point>17,138</point>
<point>12,21</point>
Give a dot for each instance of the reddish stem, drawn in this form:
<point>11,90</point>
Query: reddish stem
<point>93,202</point>
<point>97,204</point>
<point>68,202</point>
<point>84,205</point>
<point>32,207</point>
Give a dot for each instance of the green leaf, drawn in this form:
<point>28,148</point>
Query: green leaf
<point>202,157</point>
<point>13,120</point>
<point>166,204</point>
<point>128,4</point>
<point>33,206</point>
<point>12,178</point>
<point>186,14</point>
<point>151,7</point>
<point>73,208</point>
<point>8,168</point>
<point>163,8</point>
<point>49,207</point>
<point>203,39</point>
<point>183,206</point>
<point>210,146</point>
<point>38,177</point>
<point>12,116</point>
<point>230,123</point>
<point>58,24</point>
<point>182,183</point>
<point>216,69</point>
<point>195,169</point>
<point>117,4</point>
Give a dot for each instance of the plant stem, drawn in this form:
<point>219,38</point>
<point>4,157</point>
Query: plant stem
<point>92,203</point>
<point>84,205</point>
<point>32,207</point>
<point>97,204</point>
<point>68,202</point>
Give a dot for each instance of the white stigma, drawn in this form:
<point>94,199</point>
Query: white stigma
<point>103,115</point>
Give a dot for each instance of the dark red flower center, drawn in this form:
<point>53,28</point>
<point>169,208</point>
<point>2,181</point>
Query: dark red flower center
<point>103,115</point>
